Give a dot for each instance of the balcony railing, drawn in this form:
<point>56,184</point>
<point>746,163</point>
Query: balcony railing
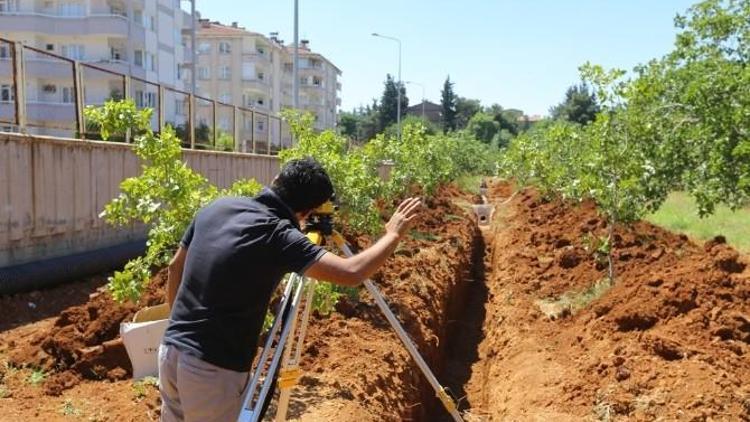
<point>86,84</point>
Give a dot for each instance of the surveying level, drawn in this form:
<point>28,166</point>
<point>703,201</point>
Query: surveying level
<point>283,364</point>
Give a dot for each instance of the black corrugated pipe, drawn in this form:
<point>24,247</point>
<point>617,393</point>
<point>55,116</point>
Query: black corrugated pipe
<point>54,271</point>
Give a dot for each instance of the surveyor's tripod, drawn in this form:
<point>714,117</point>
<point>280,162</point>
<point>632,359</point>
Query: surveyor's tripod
<point>284,362</point>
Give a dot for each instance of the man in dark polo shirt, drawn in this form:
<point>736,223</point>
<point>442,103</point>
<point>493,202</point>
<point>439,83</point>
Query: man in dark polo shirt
<point>230,260</point>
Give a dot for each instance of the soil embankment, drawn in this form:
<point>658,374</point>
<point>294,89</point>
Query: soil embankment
<point>356,368</point>
<point>670,340</point>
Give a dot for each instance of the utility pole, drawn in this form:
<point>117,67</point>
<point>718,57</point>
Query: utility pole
<point>295,65</point>
<point>194,65</point>
<point>400,84</point>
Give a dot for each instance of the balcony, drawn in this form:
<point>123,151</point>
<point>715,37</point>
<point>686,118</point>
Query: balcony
<point>256,84</point>
<point>119,66</point>
<point>311,71</point>
<point>254,56</point>
<point>63,113</point>
<point>312,87</point>
<point>109,24</point>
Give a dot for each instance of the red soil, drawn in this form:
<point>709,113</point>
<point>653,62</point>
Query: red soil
<point>668,341</point>
<point>80,350</point>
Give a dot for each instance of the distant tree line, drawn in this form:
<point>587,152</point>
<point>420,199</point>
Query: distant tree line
<point>494,125</point>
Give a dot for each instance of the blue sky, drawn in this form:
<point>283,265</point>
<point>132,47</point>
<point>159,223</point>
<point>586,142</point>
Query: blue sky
<point>517,53</point>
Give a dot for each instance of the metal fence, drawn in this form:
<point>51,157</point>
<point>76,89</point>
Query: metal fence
<point>34,100</point>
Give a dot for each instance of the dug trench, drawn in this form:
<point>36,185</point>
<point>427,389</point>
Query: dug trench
<point>355,366</point>
<point>668,340</point>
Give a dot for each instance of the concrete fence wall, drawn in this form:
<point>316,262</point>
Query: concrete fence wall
<point>52,191</point>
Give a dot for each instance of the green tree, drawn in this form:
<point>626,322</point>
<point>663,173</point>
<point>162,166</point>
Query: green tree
<point>430,127</point>
<point>484,127</point>
<point>466,108</point>
<point>510,119</point>
<point>388,109</point>
<point>448,102</point>
<point>579,105</point>
<point>693,104</point>
<point>349,124</point>
<point>165,196</point>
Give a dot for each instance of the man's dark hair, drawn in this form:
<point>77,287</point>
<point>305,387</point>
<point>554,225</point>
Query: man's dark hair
<point>303,184</point>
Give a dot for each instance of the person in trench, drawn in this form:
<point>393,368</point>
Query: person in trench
<point>230,260</point>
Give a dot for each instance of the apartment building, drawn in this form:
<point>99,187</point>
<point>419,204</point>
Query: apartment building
<point>238,67</point>
<point>141,38</point>
<point>319,85</point>
<point>245,68</point>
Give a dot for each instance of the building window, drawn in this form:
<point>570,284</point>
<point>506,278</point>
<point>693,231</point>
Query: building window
<point>151,62</point>
<point>49,47</point>
<point>6,93</point>
<point>224,124</point>
<point>261,51</point>
<point>138,17</point>
<point>151,99</point>
<point>115,53</point>
<point>179,107</point>
<point>8,5</point>
<point>118,10</point>
<point>226,98</point>
<point>145,99</point>
<point>225,72</point>
<point>261,125</point>
<point>4,51</point>
<point>74,51</point>
<point>261,76</point>
<point>204,48</point>
<point>248,70</point>
<point>71,9</point>
<point>225,48</point>
<point>260,102</point>
<point>138,58</point>
<point>68,95</point>
<point>152,23</point>
<point>204,73</point>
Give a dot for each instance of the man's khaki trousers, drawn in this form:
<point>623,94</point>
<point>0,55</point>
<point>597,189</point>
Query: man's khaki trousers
<point>194,390</point>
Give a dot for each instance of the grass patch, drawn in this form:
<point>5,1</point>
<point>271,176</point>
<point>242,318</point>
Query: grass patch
<point>452,217</point>
<point>140,388</point>
<point>470,184</point>
<point>36,377</point>
<point>4,392</point>
<point>68,409</point>
<point>572,302</point>
<point>417,235</point>
<point>679,214</point>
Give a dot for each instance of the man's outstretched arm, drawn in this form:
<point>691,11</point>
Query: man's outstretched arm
<point>353,270</point>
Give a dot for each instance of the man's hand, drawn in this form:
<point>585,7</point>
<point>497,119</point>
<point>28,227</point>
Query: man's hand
<point>401,220</point>
<point>351,271</point>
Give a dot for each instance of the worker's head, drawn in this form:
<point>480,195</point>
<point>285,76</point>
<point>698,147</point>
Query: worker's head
<point>303,185</point>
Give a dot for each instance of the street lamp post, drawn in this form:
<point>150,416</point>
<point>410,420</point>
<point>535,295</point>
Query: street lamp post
<point>421,85</point>
<point>398,103</point>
